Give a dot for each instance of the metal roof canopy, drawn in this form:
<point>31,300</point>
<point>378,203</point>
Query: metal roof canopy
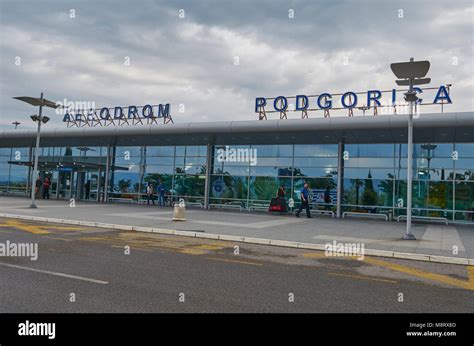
<point>428,128</point>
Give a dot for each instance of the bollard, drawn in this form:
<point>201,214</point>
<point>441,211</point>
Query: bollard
<point>179,211</point>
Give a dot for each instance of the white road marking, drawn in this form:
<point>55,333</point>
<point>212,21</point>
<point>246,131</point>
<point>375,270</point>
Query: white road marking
<point>56,274</point>
<point>254,225</point>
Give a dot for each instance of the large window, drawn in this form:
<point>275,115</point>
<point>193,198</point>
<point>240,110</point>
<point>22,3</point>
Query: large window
<point>13,172</point>
<point>182,170</point>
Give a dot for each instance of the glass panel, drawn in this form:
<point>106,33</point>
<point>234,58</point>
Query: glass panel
<point>316,150</point>
<point>161,160</point>
<point>314,172</point>
<point>467,174</point>
<point>377,173</point>
<point>273,150</point>
<point>189,185</point>
<point>315,162</point>
<point>368,192</point>
<point>228,187</point>
<point>465,149</point>
<point>231,170</point>
<point>269,171</point>
<point>265,188</point>
<point>369,162</point>
<point>370,150</point>
<point>160,151</point>
<point>153,169</point>
<point>464,195</point>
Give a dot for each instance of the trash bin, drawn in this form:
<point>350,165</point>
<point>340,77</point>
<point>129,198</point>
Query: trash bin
<point>179,212</point>
<point>390,215</point>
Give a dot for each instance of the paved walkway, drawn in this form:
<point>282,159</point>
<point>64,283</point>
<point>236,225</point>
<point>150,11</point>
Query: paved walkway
<point>432,239</point>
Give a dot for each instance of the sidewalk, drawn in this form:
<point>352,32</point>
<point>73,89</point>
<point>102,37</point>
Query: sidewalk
<point>379,237</point>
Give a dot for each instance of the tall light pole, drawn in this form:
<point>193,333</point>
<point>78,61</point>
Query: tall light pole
<point>409,74</point>
<point>40,119</point>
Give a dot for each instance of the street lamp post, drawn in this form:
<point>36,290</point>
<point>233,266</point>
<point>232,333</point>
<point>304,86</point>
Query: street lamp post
<point>16,123</point>
<point>428,148</point>
<point>40,119</point>
<point>410,74</point>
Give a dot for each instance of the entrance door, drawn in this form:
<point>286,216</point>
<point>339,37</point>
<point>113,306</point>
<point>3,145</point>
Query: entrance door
<point>87,184</point>
<point>65,176</point>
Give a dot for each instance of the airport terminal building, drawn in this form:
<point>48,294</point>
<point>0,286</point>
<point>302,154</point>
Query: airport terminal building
<point>361,160</point>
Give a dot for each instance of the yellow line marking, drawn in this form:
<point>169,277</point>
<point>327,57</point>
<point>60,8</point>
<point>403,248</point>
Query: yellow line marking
<point>24,227</point>
<point>465,284</point>
<point>364,277</point>
<point>37,229</point>
<point>235,261</point>
<point>57,238</point>
<point>314,255</point>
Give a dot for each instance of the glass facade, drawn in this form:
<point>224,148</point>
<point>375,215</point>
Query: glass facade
<point>373,176</point>
<point>182,170</point>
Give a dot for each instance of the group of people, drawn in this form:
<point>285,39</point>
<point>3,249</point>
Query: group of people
<point>150,193</point>
<point>304,197</point>
<point>42,186</point>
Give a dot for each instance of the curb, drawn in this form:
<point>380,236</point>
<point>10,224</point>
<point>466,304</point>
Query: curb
<point>248,240</point>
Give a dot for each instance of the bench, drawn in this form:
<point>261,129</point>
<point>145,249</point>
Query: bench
<point>424,218</point>
<point>223,206</point>
<point>144,201</point>
<point>121,199</point>
<point>322,212</point>
<point>199,204</point>
<point>372,215</point>
<point>14,193</point>
<point>262,206</point>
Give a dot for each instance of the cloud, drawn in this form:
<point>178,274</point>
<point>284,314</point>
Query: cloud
<point>190,61</point>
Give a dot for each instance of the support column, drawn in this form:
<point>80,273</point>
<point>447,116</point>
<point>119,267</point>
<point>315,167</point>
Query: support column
<point>339,178</point>
<point>107,176</point>
<point>99,176</point>
<point>30,172</point>
<point>208,175</point>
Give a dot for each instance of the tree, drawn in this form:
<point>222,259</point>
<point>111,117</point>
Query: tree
<point>357,183</point>
<point>386,186</point>
<point>370,196</point>
<point>124,185</point>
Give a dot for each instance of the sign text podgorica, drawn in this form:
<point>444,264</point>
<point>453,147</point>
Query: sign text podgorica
<point>350,100</point>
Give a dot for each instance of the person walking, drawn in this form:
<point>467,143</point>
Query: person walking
<point>46,185</point>
<point>149,193</point>
<point>161,194</point>
<point>327,199</point>
<point>38,185</point>
<point>87,188</point>
<point>281,192</point>
<point>304,196</point>
<point>281,199</point>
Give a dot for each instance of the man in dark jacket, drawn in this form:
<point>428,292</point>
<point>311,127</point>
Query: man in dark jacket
<point>304,195</point>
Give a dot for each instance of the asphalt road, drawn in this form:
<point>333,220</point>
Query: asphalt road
<point>82,269</point>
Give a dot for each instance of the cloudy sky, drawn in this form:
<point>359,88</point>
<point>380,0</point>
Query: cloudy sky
<point>215,57</point>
